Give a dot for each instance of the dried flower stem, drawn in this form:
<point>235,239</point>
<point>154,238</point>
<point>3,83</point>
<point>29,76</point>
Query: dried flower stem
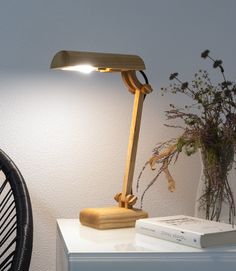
<point>212,129</point>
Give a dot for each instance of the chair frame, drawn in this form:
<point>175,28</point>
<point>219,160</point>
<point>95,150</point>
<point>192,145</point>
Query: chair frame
<point>19,259</point>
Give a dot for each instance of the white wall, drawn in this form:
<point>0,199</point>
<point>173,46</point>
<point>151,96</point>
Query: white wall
<point>68,133</point>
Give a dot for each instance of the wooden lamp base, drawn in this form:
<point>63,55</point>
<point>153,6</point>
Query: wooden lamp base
<point>110,217</point>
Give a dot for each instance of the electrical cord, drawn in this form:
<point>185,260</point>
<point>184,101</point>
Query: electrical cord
<point>144,76</point>
<point>145,79</point>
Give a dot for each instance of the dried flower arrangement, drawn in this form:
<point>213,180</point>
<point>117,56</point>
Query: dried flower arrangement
<point>209,126</point>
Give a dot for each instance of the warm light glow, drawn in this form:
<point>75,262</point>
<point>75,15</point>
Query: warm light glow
<point>80,68</point>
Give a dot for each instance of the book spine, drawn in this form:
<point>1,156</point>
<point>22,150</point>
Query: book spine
<point>169,234</point>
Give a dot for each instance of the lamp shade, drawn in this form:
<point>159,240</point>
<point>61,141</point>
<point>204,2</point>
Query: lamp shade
<point>103,62</point>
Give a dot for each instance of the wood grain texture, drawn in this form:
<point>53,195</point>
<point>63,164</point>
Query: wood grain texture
<point>133,144</point>
<point>110,217</point>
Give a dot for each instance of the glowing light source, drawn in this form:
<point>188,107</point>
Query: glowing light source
<point>80,68</point>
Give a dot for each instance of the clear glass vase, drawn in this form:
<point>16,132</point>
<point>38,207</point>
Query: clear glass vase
<point>215,195</point>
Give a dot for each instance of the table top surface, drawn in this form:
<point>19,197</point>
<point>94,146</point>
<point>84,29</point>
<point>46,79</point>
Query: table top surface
<point>81,239</point>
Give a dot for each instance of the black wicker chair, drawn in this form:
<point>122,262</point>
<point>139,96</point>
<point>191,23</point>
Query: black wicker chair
<point>16,221</point>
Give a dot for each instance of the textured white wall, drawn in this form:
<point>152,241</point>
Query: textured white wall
<point>68,133</point>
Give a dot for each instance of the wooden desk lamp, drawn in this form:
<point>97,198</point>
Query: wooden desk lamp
<point>123,215</point>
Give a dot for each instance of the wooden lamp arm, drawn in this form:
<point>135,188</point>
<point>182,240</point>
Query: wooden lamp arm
<point>125,198</point>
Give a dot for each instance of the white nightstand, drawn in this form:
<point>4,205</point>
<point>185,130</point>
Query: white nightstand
<point>80,248</point>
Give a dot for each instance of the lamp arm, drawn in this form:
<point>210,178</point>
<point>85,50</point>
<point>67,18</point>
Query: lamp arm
<point>125,198</point>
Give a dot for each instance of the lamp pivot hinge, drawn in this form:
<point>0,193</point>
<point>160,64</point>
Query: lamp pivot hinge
<point>129,202</point>
<point>133,84</point>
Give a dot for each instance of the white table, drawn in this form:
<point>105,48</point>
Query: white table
<point>80,248</point>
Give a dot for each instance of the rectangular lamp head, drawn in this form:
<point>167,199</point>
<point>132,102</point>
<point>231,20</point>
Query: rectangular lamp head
<point>89,61</point>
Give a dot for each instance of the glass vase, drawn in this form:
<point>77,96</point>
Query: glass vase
<point>215,192</point>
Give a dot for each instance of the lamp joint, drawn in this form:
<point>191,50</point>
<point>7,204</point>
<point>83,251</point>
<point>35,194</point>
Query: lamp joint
<point>129,201</point>
<point>131,81</point>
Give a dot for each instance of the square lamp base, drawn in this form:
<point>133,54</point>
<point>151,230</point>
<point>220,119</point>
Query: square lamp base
<point>110,217</point>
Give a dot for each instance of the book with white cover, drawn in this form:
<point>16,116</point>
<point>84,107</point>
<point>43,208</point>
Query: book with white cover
<point>187,230</point>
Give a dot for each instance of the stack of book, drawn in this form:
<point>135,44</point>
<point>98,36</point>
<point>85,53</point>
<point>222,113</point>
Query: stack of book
<point>188,230</point>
